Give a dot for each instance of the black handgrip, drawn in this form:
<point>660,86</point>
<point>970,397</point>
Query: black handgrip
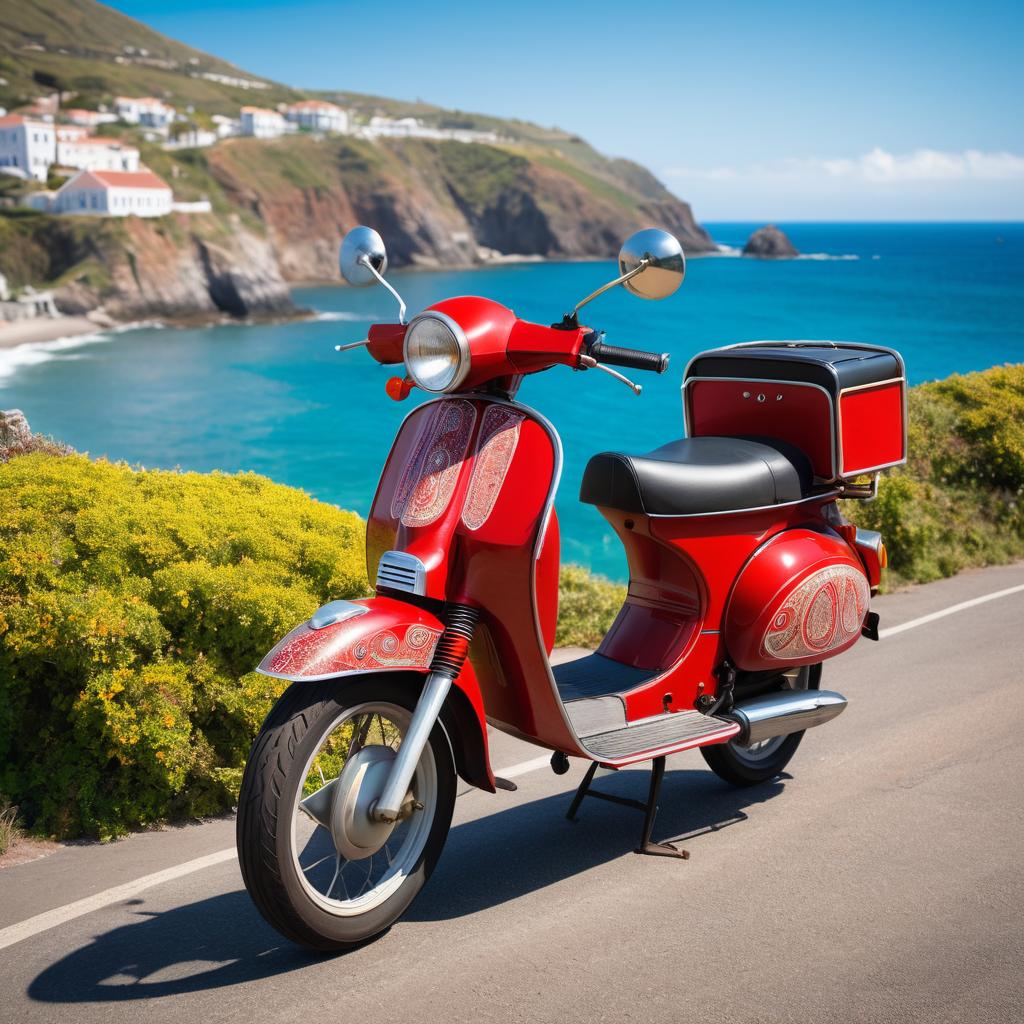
<point>635,358</point>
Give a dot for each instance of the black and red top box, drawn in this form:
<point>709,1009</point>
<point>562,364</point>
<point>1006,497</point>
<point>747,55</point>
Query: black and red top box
<point>843,404</point>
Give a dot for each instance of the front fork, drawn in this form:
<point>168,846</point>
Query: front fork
<point>449,657</point>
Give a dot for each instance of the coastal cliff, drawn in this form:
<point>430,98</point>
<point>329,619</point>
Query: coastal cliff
<point>176,266</point>
<point>280,208</point>
<point>437,203</point>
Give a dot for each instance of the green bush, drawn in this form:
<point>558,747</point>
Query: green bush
<point>957,502</point>
<point>133,608</point>
<point>587,604</point>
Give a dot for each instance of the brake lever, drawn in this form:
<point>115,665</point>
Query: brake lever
<point>590,363</point>
<point>351,345</point>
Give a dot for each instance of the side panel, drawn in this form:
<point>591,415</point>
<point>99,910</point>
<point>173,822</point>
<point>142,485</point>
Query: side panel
<point>801,598</point>
<point>871,428</point>
<point>682,571</point>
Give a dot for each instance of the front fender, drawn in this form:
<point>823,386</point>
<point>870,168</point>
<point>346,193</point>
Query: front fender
<point>390,636</point>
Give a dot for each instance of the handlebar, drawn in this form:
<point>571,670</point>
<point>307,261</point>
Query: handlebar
<point>634,358</point>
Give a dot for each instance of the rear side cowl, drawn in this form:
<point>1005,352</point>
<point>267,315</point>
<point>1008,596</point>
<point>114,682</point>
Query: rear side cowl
<point>801,598</point>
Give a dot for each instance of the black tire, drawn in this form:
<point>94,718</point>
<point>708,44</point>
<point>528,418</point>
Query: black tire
<point>293,730</point>
<point>730,763</point>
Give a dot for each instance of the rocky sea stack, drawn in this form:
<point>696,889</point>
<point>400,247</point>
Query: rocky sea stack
<point>769,243</point>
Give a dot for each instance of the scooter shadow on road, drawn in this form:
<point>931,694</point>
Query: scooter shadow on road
<point>488,861</point>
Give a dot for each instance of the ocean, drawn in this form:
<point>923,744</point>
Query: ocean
<point>277,399</point>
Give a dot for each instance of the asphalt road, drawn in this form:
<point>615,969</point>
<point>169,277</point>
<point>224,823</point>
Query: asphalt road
<point>881,880</point>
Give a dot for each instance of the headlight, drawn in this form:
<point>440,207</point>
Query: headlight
<point>436,352</point>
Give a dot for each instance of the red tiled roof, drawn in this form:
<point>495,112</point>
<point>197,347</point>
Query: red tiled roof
<point>144,178</point>
<point>314,105</point>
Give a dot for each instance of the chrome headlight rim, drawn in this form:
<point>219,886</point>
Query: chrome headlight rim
<point>461,341</point>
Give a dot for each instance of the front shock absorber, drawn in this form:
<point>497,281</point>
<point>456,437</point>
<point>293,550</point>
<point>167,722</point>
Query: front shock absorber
<point>449,657</point>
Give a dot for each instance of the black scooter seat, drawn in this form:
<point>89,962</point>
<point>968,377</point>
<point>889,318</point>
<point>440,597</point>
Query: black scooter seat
<point>699,475</point>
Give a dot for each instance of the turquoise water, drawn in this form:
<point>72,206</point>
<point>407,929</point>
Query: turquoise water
<point>278,400</point>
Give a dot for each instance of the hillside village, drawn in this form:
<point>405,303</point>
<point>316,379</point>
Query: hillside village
<point>103,174</point>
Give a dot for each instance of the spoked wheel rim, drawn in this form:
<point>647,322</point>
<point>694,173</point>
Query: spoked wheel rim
<point>757,754</point>
<point>362,737</point>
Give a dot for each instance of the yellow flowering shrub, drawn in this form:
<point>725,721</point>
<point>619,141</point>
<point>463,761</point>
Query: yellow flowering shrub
<point>134,606</point>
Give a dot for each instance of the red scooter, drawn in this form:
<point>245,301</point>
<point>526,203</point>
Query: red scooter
<point>743,578</point>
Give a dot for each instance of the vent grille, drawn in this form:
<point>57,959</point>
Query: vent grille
<point>401,571</point>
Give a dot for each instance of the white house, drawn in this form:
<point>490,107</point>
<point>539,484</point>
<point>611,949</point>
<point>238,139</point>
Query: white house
<point>115,194</point>
<point>90,154</point>
<point>144,110</point>
<point>27,147</point>
<point>192,137</point>
<point>70,132</point>
<point>261,123</point>
<point>226,126</point>
<point>89,118</point>
<point>318,116</point>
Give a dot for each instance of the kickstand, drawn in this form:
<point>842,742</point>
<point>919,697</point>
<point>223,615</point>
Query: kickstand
<point>650,809</point>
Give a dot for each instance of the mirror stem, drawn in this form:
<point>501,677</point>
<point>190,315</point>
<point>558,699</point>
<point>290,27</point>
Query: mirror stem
<point>611,284</point>
<point>366,262</point>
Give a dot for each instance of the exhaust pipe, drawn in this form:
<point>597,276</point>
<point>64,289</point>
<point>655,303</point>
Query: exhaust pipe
<point>780,714</point>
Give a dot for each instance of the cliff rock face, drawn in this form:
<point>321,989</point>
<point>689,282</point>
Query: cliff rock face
<point>438,203</point>
<point>769,243</point>
<point>178,266</point>
<point>281,208</point>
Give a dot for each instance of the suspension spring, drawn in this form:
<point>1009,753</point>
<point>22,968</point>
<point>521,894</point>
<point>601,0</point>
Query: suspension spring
<point>453,647</point>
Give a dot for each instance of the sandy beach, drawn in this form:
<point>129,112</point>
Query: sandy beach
<point>25,332</point>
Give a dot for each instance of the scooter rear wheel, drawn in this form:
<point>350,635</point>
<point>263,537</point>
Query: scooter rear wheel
<point>318,867</point>
<point>748,766</point>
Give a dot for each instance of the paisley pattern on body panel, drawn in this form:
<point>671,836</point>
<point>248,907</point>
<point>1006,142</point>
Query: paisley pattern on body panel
<point>430,477</point>
<point>822,613</point>
<point>317,652</point>
<point>495,446</point>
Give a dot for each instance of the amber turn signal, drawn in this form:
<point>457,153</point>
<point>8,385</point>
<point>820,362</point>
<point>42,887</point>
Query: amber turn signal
<point>398,388</point>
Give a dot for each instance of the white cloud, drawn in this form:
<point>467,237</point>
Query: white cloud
<point>876,167</point>
<point>929,165</point>
<point>926,184</point>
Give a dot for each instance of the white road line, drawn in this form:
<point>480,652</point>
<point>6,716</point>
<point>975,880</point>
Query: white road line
<point>951,610</point>
<point>525,767</point>
<point>61,915</point>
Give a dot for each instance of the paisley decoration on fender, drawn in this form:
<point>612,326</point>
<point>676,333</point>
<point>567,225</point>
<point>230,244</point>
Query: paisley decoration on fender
<point>495,446</point>
<point>822,613</point>
<point>308,653</point>
<point>429,480</point>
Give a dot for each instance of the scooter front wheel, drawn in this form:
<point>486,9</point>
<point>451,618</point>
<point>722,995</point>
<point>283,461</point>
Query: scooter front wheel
<point>317,865</point>
<point>749,765</point>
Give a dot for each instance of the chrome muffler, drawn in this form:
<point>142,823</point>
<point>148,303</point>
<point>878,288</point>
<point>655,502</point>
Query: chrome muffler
<point>780,714</point>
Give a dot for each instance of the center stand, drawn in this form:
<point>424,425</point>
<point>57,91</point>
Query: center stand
<point>650,809</point>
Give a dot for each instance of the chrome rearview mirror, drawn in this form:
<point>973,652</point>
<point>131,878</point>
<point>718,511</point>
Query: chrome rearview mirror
<point>363,261</point>
<point>651,265</point>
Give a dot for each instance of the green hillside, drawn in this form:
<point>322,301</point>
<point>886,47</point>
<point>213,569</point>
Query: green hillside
<point>96,53</point>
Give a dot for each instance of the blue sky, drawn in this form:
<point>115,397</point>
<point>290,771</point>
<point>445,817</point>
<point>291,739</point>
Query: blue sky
<point>750,110</point>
